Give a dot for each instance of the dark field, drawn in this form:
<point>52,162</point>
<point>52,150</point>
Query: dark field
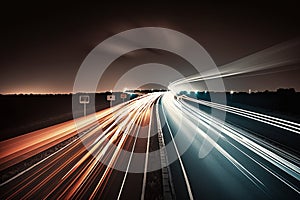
<point>25,113</point>
<point>21,114</point>
<point>282,104</point>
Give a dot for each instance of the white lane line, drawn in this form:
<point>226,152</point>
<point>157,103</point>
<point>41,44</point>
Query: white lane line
<point>115,154</point>
<point>168,188</point>
<point>239,137</point>
<point>274,121</point>
<point>128,165</point>
<point>130,158</point>
<point>41,161</point>
<point>179,158</point>
<point>238,165</point>
<point>147,155</point>
<point>266,168</point>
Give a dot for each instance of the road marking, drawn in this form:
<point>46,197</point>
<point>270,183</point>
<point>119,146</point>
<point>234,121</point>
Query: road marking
<point>31,167</point>
<point>168,188</point>
<point>179,158</point>
<point>147,155</point>
<point>274,121</point>
<point>132,151</point>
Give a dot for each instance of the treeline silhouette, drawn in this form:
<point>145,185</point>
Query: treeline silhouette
<point>23,113</point>
<point>284,101</point>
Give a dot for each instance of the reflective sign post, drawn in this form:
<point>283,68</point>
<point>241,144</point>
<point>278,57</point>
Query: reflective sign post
<point>84,99</point>
<point>123,96</point>
<point>111,98</point>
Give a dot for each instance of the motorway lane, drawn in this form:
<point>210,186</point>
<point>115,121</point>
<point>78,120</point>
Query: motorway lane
<point>178,181</point>
<point>20,148</point>
<point>238,164</point>
<point>230,169</point>
<point>264,126</point>
<point>133,144</point>
<point>74,172</point>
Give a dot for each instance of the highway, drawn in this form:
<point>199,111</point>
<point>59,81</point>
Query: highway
<point>237,165</point>
<point>75,172</point>
<point>158,146</point>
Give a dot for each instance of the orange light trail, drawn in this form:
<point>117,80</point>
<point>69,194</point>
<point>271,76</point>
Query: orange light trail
<point>74,168</point>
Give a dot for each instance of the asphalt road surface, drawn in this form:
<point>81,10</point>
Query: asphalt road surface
<point>157,146</point>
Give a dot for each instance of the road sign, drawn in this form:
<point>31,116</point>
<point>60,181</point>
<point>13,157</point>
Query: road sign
<point>111,98</point>
<point>84,99</point>
<point>123,96</point>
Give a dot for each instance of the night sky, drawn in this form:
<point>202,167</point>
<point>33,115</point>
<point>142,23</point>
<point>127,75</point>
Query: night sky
<point>44,45</point>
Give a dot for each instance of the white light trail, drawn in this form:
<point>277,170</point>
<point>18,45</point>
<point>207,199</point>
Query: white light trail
<point>281,55</point>
<point>179,159</point>
<point>283,161</point>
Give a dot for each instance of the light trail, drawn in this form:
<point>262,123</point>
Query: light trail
<point>221,128</point>
<point>194,127</point>
<point>274,121</point>
<point>82,165</point>
<point>230,130</point>
<point>147,157</point>
<point>85,168</point>
<point>233,140</point>
<point>141,119</point>
<point>179,159</point>
<point>267,147</point>
<point>282,55</point>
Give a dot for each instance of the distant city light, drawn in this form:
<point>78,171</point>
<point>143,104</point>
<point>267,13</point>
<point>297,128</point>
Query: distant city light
<point>231,91</point>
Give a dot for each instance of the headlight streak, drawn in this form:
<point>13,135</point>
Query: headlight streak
<point>137,118</point>
<point>19,174</point>
<point>82,170</point>
<point>22,147</point>
<point>288,155</point>
<point>113,160</point>
<point>86,172</point>
<point>72,170</point>
<point>82,151</point>
<point>239,136</point>
<point>85,135</point>
<point>235,133</point>
<point>285,165</point>
<point>34,175</point>
<point>281,55</point>
<point>147,154</point>
<point>280,123</point>
<point>193,127</point>
<point>132,150</point>
<point>265,167</point>
<point>190,193</point>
